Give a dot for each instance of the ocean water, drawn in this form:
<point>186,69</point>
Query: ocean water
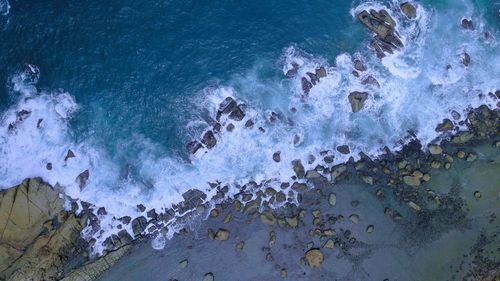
<point>126,84</point>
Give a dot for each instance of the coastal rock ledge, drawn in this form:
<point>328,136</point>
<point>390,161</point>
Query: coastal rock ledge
<point>40,240</point>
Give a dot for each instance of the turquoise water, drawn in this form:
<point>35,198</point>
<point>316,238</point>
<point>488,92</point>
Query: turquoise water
<point>126,84</point>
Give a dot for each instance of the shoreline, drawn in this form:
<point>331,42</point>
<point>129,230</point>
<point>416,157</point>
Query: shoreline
<point>400,173</point>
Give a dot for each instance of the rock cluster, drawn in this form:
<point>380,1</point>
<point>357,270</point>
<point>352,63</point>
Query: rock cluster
<point>386,39</point>
<point>229,111</point>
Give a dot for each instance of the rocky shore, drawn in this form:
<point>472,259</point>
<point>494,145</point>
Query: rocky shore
<point>409,215</point>
<point>41,240</point>
<point>333,221</point>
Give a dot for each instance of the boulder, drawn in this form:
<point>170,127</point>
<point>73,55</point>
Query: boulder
<point>344,149</point>
<point>139,225</point>
<point>193,147</point>
<point>222,235</point>
<point>237,114</point>
<point>298,168</point>
<point>82,179</point>
<point>467,24</point>
<point>209,139</point>
<point>446,125</point>
<point>314,258</point>
<point>409,10</point>
<point>227,105</point>
<point>277,156</point>
<point>359,65</point>
<point>357,100</point>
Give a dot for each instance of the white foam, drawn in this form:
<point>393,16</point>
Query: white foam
<point>4,7</point>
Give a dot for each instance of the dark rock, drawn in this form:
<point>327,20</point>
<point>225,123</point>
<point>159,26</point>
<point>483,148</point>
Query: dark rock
<point>293,71</point>
<point>70,154</point>
<point>217,127</point>
<point>152,214</point>
<point>141,208</point>
<point>383,16</point>
<point>359,65</point>
<point>194,197</point>
<point>139,225</point>
<point>357,100</point>
<point>298,168</point>
<point>313,77</point>
<point>101,211</point>
<point>125,219</point>
<point>378,26</point>
<point>409,10</point>
<point>249,123</point>
<point>466,59</point>
<point>237,114</point>
<point>277,156</point>
<point>192,147</point>
<point>209,139</point>
<point>39,123</point>
<point>446,125</point>
<point>49,166</point>
<point>82,179</point>
<point>227,105</point>
<point>455,115</point>
<point>296,139</point>
<point>467,24</point>
<point>344,149</point>
<point>230,127</point>
<point>370,81</point>
<point>320,72</point>
<point>306,85</point>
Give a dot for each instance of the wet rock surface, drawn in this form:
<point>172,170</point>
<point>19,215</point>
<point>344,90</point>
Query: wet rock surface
<point>386,39</point>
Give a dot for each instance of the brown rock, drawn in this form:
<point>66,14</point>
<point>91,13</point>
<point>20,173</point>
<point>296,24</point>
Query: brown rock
<point>314,258</point>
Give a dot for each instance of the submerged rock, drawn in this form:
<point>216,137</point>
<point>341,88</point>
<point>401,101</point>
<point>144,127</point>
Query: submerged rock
<point>467,24</point>
<point>357,100</point>
<point>222,235</point>
<point>314,258</point>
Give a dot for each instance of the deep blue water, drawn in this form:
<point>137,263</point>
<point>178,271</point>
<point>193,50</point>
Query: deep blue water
<point>134,65</point>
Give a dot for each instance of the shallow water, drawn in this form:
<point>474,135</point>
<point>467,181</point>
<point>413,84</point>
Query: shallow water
<point>403,250</point>
<point>127,83</point>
